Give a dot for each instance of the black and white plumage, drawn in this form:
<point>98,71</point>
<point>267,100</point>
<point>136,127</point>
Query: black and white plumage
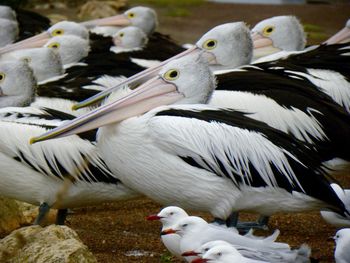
<point>62,175</point>
<point>234,162</point>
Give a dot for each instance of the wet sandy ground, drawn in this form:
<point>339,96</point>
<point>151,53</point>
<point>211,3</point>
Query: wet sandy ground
<point>114,231</point>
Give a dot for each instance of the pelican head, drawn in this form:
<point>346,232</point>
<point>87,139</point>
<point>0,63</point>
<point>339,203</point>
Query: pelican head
<point>343,36</point>
<point>6,12</point>
<point>221,254</point>
<point>59,29</point>
<point>8,31</point>
<point>169,215</point>
<point>17,84</point>
<point>129,38</point>
<point>70,48</point>
<point>225,46</point>
<point>142,17</point>
<point>185,80</point>
<point>46,63</point>
<point>278,33</point>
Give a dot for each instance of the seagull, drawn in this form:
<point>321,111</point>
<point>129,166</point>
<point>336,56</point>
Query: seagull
<point>278,33</point>
<point>225,254</point>
<point>168,217</point>
<point>195,232</point>
<point>300,255</point>
<point>234,162</point>
<point>343,36</point>
<point>342,240</point>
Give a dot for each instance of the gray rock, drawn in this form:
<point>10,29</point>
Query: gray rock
<point>50,244</point>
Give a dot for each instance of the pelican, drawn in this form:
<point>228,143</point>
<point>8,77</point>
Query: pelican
<point>279,33</point>
<point>202,157</point>
<point>343,36</point>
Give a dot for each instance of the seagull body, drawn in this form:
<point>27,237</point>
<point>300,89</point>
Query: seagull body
<point>225,254</point>
<point>195,232</point>
<point>300,255</point>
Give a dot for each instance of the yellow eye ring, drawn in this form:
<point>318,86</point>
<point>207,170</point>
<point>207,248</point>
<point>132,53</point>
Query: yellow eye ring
<point>131,15</point>
<point>54,45</point>
<point>172,74</point>
<point>57,32</point>
<point>210,44</point>
<point>268,30</point>
<point>121,34</point>
<point>2,76</point>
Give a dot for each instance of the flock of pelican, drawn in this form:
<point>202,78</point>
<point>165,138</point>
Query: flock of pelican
<point>243,120</point>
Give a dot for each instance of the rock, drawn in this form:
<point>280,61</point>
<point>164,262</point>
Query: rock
<point>97,9</point>
<point>14,214</point>
<point>50,244</point>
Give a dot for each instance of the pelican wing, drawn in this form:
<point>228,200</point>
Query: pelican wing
<point>73,157</point>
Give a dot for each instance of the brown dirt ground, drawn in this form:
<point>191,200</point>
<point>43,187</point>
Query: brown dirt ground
<point>112,230</point>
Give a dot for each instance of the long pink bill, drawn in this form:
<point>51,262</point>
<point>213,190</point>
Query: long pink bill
<point>341,37</point>
<point>137,78</point>
<point>153,93</point>
<point>32,42</point>
<point>118,20</point>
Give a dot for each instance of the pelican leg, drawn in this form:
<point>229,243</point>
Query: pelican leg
<point>219,221</point>
<point>44,208</point>
<point>232,220</point>
<point>260,224</point>
<point>61,216</point>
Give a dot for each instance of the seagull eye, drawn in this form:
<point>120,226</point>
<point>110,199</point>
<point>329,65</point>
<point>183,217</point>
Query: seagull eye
<point>210,44</point>
<point>171,74</point>
<point>171,213</point>
<point>268,30</point>
<point>184,225</point>
<point>58,32</point>
<point>54,45</point>
<point>219,254</point>
<point>2,76</point>
<point>131,15</point>
<point>121,34</point>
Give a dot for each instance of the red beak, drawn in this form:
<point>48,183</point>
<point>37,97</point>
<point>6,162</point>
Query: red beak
<point>189,254</point>
<point>199,260</point>
<point>153,217</point>
<point>168,232</point>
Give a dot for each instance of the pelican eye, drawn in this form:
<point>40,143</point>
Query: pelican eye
<point>57,32</point>
<point>268,30</point>
<point>54,45</point>
<point>121,34</point>
<point>2,76</point>
<point>131,15</point>
<point>210,44</point>
<point>171,74</point>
